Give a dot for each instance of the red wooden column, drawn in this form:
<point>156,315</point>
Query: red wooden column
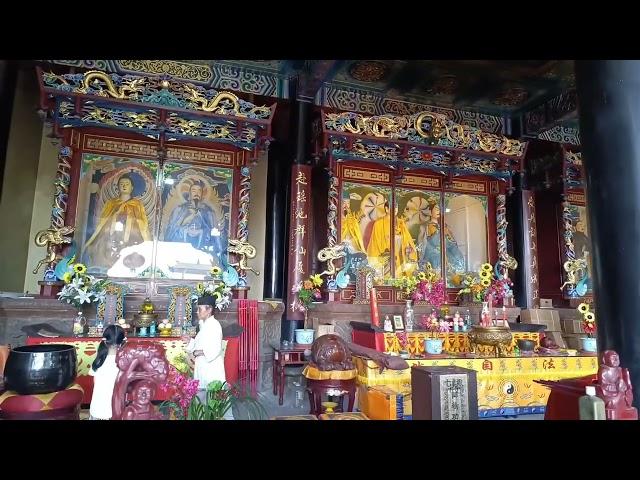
<point>300,218</point>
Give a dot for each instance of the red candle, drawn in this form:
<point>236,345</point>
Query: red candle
<point>373,302</point>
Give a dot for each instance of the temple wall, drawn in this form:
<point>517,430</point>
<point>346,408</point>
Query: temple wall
<point>16,203</point>
<point>41,215</point>
<point>258,226</point>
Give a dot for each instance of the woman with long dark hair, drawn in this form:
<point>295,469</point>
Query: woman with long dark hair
<point>104,371</point>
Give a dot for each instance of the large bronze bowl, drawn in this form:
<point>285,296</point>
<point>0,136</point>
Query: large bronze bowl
<point>497,337</point>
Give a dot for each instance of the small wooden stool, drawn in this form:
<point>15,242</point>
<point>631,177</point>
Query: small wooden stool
<point>334,388</point>
<point>335,383</point>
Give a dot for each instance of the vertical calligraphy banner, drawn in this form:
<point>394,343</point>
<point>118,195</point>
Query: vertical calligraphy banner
<point>299,233</point>
<point>530,253</point>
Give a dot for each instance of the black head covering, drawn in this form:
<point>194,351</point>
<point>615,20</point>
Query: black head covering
<point>207,300</point>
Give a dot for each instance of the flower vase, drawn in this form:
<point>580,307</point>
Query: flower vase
<point>408,316</point>
<point>433,346</point>
<point>304,336</point>
<point>589,344</point>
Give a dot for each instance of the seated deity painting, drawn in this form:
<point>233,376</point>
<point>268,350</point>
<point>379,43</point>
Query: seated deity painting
<point>116,209</point>
<point>465,235</point>
<point>417,231</point>
<point>195,219</point>
<point>366,226</point>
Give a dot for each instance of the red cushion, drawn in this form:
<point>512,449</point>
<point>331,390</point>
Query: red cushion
<point>11,402</point>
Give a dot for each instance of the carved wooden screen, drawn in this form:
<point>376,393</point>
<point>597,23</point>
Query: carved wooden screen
<point>139,218</point>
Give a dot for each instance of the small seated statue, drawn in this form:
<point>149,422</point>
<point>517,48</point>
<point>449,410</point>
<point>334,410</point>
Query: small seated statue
<point>614,387</point>
<point>330,352</point>
<point>141,408</point>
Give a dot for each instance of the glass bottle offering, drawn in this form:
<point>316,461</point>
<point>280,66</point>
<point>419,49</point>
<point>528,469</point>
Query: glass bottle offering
<point>100,327</point>
<point>78,324</point>
<point>388,327</point>
<point>408,316</point>
<point>485,315</point>
<point>467,318</point>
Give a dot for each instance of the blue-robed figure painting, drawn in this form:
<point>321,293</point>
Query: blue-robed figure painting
<point>430,245</point>
<point>194,222</point>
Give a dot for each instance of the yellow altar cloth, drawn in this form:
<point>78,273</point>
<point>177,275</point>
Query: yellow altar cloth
<point>505,385</point>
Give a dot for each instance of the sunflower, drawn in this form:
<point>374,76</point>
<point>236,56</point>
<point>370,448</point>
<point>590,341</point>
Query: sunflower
<point>485,282</point>
<point>484,274</point>
<point>79,268</point>
<point>316,280</point>
<point>486,267</point>
<point>67,277</point>
<point>583,308</point>
<point>589,317</point>
<point>422,276</point>
<point>215,271</point>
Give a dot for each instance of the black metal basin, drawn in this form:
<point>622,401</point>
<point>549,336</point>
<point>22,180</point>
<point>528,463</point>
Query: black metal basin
<point>526,327</point>
<point>37,369</point>
<point>526,345</point>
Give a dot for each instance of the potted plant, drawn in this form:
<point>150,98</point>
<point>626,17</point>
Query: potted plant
<point>306,292</point>
<point>433,343</point>
<point>589,344</point>
<point>220,398</point>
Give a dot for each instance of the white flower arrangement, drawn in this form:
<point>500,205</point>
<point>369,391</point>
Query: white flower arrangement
<point>81,288</point>
<point>216,288</point>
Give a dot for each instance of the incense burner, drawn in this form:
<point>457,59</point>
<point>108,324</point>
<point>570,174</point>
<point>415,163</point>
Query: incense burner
<point>497,337</point>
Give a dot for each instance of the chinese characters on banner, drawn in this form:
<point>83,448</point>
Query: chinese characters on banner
<point>530,249</point>
<point>299,232</point>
